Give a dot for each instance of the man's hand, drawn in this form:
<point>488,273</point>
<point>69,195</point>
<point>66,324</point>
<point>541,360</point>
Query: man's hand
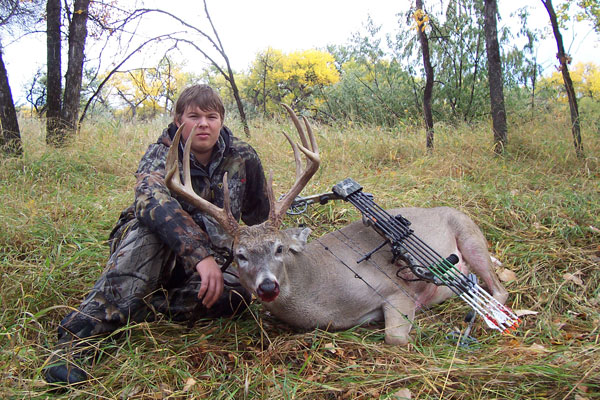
<point>211,276</point>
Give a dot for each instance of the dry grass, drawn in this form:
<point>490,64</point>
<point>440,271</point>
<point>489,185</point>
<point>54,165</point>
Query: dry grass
<point>538,206</point>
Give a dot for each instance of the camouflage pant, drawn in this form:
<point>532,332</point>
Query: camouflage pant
<point>143,277</point>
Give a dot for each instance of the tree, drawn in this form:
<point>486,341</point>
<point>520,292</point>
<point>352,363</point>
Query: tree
<point>17,15</point>
<point>103,81</point>
<point>458,57</point>
<point>64,115</point>
<point>455,42</point>
<point>588,10</point>
<point>564,61</point>
<point>74,75</point>
<point>421,19</point>
<point>299,74</point>
<point>259,85</point>
<point>10,142</point>
<point>215,41</point>
<point>495,75</point>
<point>586,79</point>
<point>36,93</point>
<point>295,78</point>
<point>374,88</point>
<point>520,68</point>
<point>148,91</point>
<point>53,71</point>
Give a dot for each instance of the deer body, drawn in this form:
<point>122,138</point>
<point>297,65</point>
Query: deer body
<point>309,284</point>
<point>316,289</point>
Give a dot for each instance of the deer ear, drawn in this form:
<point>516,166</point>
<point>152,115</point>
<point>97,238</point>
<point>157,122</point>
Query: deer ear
<point>298,237</point>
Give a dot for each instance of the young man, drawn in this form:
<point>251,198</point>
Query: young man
<point>165,254</point>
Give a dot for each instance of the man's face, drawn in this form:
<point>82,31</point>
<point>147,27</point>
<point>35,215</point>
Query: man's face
<point>203,128</point>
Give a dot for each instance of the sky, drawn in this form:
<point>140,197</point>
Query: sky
<point>249,26</point>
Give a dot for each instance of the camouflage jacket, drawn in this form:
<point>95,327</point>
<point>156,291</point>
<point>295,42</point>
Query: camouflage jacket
<point>191,234</point>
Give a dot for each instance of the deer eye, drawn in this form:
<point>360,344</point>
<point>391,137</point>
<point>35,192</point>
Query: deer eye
<point>279,249</point>
<point>241,257</point>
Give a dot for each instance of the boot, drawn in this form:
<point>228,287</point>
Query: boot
<point>71,352</point>
<point>61,371</point>
<point>62,366</point>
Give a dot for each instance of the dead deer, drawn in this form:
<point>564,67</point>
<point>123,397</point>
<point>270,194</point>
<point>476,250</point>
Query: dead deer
<point>308,284</point>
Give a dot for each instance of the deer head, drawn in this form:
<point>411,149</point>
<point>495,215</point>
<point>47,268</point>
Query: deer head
<point>259,250</point>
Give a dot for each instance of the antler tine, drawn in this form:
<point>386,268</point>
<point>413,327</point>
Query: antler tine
<point>223,216</point>
<point>172,162</point>
<point>279,208</point>
<point>297,124</point>
<point>296,154</point>
<point>311,136</point>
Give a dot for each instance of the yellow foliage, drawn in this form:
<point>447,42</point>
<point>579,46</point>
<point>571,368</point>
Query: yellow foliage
<point>277,77</point>
<point>307,68</point>
<point>585,77</point>
<point>421,18</point>
<point>148,91</point>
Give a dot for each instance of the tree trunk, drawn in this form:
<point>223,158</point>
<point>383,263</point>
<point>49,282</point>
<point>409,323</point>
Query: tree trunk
<point>564,60</point>
<point>467,116</point>
<point>533,86</point>
<point>54,74</point>
<point>490,12</point>
<point>231,78</point>
<point>238,101</point>
<point>264,81</point>
<point>428,78</point>
<point>74,76</point>
<point>10,142</point>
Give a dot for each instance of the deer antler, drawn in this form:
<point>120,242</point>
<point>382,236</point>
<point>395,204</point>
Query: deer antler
<point>223,216</point>
<point>311,151</point>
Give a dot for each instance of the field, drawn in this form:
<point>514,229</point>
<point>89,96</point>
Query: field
<point>539,207</point>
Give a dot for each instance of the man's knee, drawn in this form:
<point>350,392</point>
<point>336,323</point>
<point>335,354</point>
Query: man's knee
<point>232,302</point>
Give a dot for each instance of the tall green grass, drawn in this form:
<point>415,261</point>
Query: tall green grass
<point>538,206</point>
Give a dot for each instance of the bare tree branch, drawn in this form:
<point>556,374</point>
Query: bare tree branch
<point>115,69</point>
<point>228,75</point>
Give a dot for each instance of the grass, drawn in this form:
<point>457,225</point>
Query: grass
<point>538,206</point>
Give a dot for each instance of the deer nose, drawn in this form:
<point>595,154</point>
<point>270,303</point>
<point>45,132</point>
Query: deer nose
<point>268,290</point>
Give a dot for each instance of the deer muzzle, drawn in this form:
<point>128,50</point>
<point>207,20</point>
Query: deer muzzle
<point>268,290</point>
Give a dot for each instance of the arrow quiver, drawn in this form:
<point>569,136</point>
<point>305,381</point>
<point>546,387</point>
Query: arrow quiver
<point>423,261</point>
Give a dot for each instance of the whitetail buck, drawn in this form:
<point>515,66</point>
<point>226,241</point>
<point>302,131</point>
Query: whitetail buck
<point>307,285</point>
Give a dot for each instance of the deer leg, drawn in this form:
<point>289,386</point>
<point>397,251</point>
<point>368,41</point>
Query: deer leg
<point>476,255</point>
<point>399,314</point>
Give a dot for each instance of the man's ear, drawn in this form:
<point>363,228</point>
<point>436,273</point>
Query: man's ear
<point>298,238</point>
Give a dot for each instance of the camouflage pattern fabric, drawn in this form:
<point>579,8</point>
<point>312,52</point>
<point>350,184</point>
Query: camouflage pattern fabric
<point>158,241</point>
<point>142,279</point>
<point>178,224</point>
